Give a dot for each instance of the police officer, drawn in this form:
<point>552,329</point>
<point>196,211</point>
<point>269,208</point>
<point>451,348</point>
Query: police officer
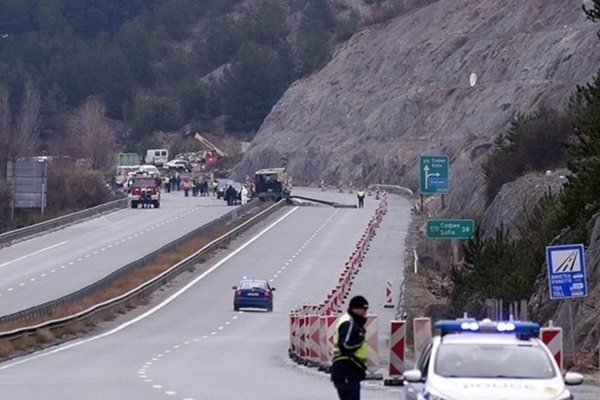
<point>350,350</point>
<point>361,198</point>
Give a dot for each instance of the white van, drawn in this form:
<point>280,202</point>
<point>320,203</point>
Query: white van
<point>149,170</point>
<point>157,157</point>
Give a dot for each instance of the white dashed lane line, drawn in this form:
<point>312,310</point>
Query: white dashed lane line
<point>96,252</point>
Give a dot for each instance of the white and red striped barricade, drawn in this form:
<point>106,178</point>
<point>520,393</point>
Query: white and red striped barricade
<point>389,295</point>
<point>293,351</point>
<point>552,337</point>
<point>312,340</point>
<point>422,334</point>
<point>372,340</point>
<point>301,337</point>
<point>397,353</point>
<point>327,326</point>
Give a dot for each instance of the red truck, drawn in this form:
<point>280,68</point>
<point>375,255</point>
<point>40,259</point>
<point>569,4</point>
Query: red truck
<point>145,190</point>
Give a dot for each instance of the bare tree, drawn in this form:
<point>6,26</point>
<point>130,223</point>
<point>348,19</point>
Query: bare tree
<point>19,132</point>
<point>93,136</point>
<point>5,129</point>
<point>25,139</point>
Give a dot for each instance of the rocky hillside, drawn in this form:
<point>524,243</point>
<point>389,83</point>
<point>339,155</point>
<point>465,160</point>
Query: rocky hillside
<point>401,89</point>
<point>585,312</point>
<point>398,90</point>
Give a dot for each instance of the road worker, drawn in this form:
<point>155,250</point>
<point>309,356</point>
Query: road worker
<point>361,198</point>
<point>350,350</point>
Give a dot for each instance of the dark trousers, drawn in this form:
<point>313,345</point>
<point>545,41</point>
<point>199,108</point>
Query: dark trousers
<point>348,390</point>
<point>361,202</point>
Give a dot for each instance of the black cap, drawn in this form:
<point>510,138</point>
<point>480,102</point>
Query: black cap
<point>358,302</point>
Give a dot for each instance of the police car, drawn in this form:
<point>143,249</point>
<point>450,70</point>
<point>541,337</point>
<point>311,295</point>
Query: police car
<point>486,360</point>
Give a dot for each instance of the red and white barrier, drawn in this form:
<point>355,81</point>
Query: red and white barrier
<point>293,325</point>
<point>302,336</point>
<point>313,345</point>
<point>553,338</point>
<point>397,349</point>
<point>312,327</point>
<point>372,340</point>
<point>422,334</point>
<point>326,331</point>
<point>389,295</point>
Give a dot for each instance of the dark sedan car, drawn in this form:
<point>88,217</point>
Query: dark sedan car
<point>252,293</point>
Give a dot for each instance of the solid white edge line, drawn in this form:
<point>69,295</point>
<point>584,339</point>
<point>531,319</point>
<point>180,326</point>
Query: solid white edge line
<point>156,308</point>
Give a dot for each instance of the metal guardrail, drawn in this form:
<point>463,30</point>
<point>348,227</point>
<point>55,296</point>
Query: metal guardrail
<point>27,231</point>
<point>402,189</point>
<point>325,202</point>
<point>149,286</point>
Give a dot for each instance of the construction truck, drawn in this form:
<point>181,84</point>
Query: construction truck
<point>271,184</point>
<point>213,154</point>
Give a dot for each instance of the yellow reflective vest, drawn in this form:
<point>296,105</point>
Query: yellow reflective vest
<point>360,355</point>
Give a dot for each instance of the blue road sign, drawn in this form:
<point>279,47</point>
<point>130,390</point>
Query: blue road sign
<point>566,271</point>
<point>433,174</point>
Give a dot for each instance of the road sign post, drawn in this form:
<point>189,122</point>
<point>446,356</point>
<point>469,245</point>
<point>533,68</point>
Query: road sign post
<point>433,174</point>
<point>450,228</point>
<point>567,278</point>
<point>566,271</point>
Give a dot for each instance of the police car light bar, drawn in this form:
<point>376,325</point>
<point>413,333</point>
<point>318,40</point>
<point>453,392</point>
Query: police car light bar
<point>521,328</point>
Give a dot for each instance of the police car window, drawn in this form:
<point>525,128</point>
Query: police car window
<point>423,363</point>
<point>493,361</point>
<point>252,284</point>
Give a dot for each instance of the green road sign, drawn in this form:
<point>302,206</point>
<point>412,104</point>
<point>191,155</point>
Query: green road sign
<point>433,174</point>
<point>450,228</point>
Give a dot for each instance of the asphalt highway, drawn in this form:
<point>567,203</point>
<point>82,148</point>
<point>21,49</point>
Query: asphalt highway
<point>194,346</point>
<point>189,344</point>
<point>58,263</point>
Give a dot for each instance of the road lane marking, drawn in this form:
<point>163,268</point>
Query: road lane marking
<point>159,306</point>
<point>33,254</point>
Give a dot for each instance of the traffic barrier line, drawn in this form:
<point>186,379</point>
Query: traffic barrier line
<point>315,348</point>
<point>397,353</point>
<point>372,340</point>
<point>389,295</point>
<point>422,334</point>
<point>552,337</point>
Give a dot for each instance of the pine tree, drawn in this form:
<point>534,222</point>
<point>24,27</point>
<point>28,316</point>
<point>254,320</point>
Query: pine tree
<point>579,200</point>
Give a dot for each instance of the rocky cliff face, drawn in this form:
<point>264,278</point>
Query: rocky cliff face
<point>585,313</point>
<point>516,199</point>
<point>396,91</point>
<point>402,89</point>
